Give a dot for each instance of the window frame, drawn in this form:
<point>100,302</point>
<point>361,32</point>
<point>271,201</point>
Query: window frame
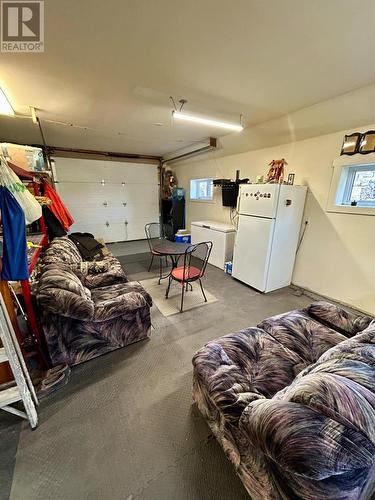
<point>349,184</point>
<point>201,200</point>
<point>344,170</point>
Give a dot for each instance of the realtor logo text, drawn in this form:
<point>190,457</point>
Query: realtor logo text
<point>22,26</point>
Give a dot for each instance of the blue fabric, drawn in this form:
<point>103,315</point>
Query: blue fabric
<point>14,245</point>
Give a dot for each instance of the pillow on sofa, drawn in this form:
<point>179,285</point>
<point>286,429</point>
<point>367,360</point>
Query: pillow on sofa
<point>60,291</point>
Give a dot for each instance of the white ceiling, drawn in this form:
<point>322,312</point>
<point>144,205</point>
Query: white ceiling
<point>110,67</point>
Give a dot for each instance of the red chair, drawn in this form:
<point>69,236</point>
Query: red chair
<point>195,263</point>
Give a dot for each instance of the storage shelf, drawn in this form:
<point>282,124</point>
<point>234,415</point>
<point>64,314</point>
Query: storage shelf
<point>3,356</point>
<point>9,396</point>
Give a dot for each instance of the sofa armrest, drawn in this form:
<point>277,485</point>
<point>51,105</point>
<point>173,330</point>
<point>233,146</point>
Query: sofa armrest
<point>337,318</point>
<point>304,442</point>
<point>238,368</point>
<point>219,382</point>
<point>66,303</point>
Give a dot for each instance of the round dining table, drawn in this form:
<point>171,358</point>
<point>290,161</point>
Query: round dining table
<point>172,250</point>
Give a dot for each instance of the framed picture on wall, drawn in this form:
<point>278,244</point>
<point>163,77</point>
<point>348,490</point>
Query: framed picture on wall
<point>291,179</point>
<point>351,143</point>
<point>367,144</point>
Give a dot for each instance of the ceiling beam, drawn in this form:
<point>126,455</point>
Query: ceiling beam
<point>101,155</point>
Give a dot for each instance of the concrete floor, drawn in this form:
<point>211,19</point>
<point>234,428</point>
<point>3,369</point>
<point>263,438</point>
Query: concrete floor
<point>125,427</point>
<point>128,247</point>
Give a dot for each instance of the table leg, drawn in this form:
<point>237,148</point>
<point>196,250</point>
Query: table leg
<point>170,272</point>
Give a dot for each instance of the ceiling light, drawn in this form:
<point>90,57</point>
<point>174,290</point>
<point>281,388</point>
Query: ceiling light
<point>207,121</point>
<point>5,106</point>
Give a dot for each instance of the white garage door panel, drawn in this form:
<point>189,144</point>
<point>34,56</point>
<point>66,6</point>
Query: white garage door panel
<point>77,170</point>
<point>114,232</point>
<point>84,213</point>
<point>110,193</point>
<point>116,210</point>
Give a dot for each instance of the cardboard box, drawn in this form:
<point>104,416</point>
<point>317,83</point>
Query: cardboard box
<point>26,157</point>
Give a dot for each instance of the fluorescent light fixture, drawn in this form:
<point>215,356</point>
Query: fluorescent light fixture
<point>207,121</point>
<point>5,106</point>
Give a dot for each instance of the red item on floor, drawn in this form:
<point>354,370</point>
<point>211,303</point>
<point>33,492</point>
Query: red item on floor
<point>57,207</point>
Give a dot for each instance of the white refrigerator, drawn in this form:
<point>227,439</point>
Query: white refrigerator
<point>269,225</point>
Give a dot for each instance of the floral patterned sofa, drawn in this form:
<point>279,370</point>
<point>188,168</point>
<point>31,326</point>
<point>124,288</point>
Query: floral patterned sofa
<point>88,308</point>
<point>292,402</point>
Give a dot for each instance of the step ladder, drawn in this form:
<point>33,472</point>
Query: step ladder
<point>23,390</point>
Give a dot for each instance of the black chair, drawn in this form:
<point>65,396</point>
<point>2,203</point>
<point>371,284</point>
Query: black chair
<point>153,235</point>
<point>195,263</point>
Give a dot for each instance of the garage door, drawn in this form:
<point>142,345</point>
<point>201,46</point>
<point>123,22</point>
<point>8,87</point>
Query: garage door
<point>112,200</point>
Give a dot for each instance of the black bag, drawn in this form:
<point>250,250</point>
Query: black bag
<point>87,245</point>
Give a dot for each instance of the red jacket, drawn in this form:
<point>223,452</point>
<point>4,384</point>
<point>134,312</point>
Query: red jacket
<point>57,207</point>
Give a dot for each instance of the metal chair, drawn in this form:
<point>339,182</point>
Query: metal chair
<point>153,235</point>
<point>195,263</point>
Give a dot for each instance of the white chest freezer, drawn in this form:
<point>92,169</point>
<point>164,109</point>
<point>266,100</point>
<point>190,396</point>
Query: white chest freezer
<point>222,236</point>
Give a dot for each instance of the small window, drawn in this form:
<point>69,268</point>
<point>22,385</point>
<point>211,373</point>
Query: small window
<point>201,189</point>
<point>357,186</point>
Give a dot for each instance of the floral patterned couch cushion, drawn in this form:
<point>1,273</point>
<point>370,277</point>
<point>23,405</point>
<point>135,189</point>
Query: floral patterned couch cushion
<point>296,422</point>
<point>62,250</point>
<point>116,300</point>
<point>338,319</point>
<point>302,334</point>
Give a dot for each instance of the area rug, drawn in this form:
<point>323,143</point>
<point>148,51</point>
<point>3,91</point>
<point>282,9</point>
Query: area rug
<point>168,307</point>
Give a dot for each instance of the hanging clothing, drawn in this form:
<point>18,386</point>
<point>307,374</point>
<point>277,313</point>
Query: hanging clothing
<point>22,174</point>
<point>15,266</point>
<point>54,227</point>
<point>58,208</point>
<point>26,200</point>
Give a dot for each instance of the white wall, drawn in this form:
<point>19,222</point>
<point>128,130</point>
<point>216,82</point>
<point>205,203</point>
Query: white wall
<point>337,256</point>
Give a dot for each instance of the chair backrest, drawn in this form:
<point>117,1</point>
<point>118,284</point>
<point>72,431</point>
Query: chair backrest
<point>153,233</point>
<point>197,256</point>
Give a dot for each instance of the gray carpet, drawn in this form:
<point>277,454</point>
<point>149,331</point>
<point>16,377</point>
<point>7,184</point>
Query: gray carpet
<point>125,427</point>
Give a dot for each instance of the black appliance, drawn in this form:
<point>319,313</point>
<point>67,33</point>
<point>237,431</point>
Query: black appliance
<point>229,189</point>
<point>229,193</point>
<point>173,215</point>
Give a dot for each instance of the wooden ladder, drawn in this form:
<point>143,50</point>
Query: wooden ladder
<point>23,390</point>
